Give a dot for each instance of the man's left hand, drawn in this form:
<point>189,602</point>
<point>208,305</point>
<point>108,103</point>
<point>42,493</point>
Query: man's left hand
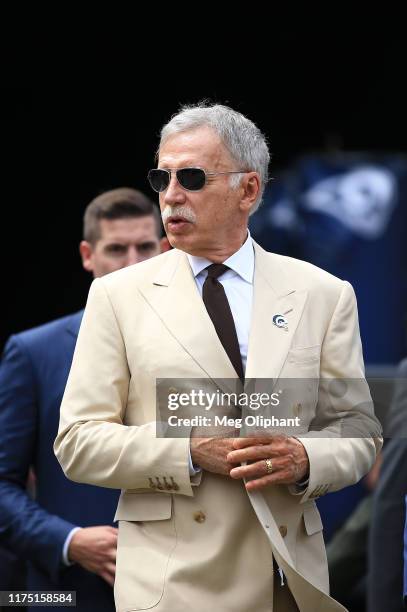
<point>288,457</point>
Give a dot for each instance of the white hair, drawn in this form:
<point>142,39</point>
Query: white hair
<point>242,138</point>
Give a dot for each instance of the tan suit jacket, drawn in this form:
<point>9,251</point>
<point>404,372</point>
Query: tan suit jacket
<point>203,543</point>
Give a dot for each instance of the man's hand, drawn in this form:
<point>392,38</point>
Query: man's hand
<point>288,456</point>
<point>210,454</point>
<point>95,549</point>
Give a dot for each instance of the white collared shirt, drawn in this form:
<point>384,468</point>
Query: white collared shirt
<point>238,285</point>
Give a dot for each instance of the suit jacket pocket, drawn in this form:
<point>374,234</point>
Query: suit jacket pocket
<point>147,539</point>
<point>304,355</point>
<point>143,507</point>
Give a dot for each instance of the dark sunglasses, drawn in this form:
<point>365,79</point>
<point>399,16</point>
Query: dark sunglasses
<point>191,179</point>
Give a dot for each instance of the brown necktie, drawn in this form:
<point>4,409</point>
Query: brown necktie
<point>218,308</point>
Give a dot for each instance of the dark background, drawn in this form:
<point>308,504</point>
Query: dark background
<point>81,112</point>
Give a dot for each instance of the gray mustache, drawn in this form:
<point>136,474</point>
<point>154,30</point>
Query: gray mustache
<point>179,211</point>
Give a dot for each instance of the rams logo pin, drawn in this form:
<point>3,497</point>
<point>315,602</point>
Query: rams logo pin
<point>280,321</point>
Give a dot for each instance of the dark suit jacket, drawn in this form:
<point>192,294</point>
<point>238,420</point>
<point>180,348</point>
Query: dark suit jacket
<point>385,579</point>
<point>405,559</point>
<point>33,375</point>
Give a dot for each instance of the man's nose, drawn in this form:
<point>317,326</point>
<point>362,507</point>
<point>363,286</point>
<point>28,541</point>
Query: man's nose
<point>174,194</point>
<point>133,256</point>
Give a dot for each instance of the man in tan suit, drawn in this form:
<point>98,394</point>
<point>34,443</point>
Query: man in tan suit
<point>221,523</point>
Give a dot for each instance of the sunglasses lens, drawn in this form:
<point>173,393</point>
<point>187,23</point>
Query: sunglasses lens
<point>158,179</point>
<point>192,179</point>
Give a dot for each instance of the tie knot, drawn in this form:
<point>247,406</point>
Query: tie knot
<point>216,270</point>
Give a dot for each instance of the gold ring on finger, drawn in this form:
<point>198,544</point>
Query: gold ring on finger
<point>269,466</point>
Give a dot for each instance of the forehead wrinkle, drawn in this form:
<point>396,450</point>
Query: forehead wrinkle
<point>126,230</point>
<point>170,162</point>
<point>201,148</point>
<point>194,157</point>
<point>128,239</point>
<point>180,162</point>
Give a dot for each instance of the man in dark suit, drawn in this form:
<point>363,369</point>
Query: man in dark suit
<point>385,579</point>
<point>65,533</point>
<point>405,560</point>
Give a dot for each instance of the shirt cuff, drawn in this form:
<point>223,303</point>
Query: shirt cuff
<point>298,488</point>
<point>192,469</point>
<point>65,549</point>
<point>303,483</point>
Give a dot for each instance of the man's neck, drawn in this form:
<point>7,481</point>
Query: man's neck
<point>224,252</point>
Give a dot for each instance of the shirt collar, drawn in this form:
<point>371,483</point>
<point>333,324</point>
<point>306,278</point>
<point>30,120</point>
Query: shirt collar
<point>241,262</point>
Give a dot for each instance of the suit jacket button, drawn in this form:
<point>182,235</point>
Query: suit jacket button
<point>174,485</point>
<point>283,530</point>
<point>199,516</point>
<point>167,485</point>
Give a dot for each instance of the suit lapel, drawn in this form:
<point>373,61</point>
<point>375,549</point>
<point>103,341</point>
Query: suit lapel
<point>175,298</point>
<point>73,324</point>
<point>273,294</point>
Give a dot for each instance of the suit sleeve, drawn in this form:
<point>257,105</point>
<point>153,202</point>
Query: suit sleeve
<point>25,527</point>
<point>94,445</point>
<point>345,435</point>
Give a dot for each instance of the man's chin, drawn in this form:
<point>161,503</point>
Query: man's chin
<point>179,234</point>
<point>177,242</point>
<point>183,243</point>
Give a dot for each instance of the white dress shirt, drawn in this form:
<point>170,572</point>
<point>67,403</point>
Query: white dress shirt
<point>67,542</point>
<point>238,285</point>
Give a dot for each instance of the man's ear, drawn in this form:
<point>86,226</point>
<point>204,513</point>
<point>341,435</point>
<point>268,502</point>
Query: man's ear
<point>251,188</point>
<point>86,252</point>
<point>164,244</point>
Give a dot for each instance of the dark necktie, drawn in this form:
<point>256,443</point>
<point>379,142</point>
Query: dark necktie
<point>218,308</point>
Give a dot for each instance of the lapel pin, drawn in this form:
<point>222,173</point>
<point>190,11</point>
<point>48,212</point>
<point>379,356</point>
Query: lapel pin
<point>280,321</point>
